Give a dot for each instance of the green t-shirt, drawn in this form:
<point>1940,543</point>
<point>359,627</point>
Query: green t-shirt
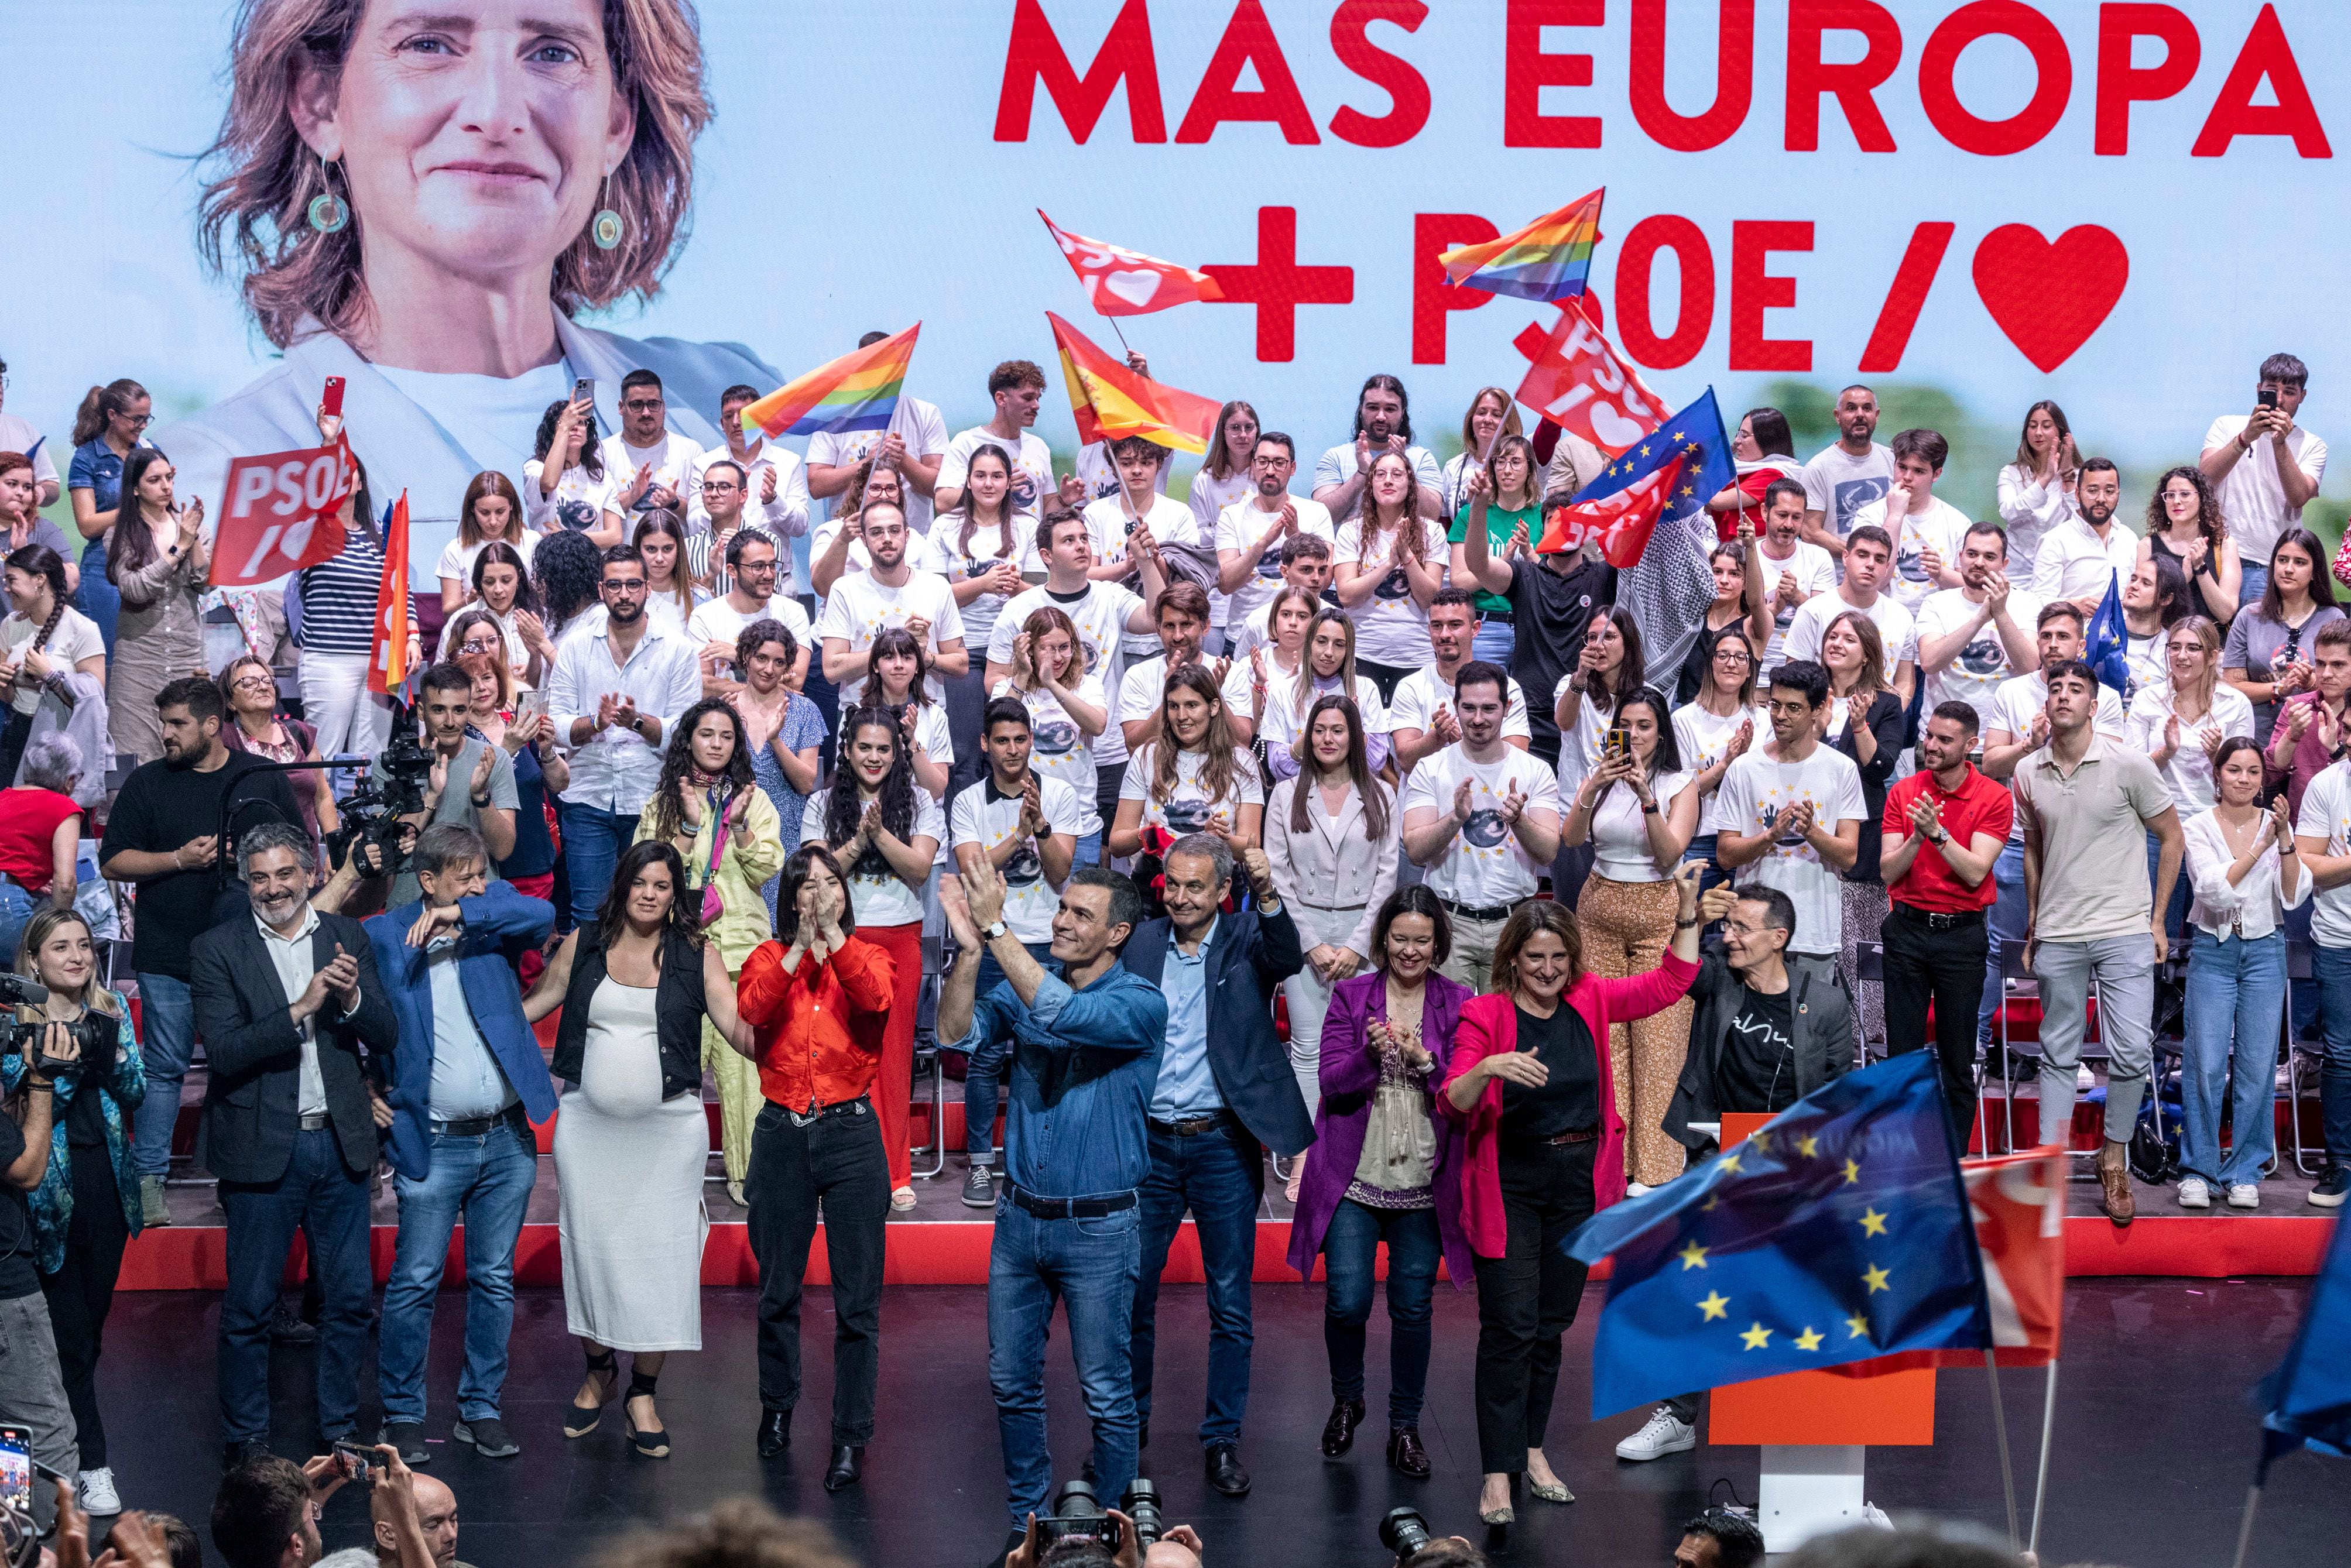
<point>1501,522</point>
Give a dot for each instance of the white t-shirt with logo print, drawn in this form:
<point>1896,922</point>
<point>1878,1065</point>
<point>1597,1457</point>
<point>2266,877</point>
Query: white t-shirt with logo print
<point>1032,465</point>
<point>1391,626</point>
<point>1895,628</point>
<point>1420,694</point>
<point>918,426</point>
<point>1239,528</point>
<point>982,817</point>
<point>860,605</point>
<point>1144,688</point>
<point>1815,571</point>
<point>1701,738</point>
<point>1940,526</point>
<point>1840,484</point>
<point>1100,614</point>
<point>1189,807</point>
<point>1755,789</point>
<point>1170,522</point>
<point>1976,672</point>
<point>1486,864</point>
<point>883,899</point>
<point>1057,747</point>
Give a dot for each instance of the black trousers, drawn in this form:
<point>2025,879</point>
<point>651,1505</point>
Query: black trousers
<point>836,1161</point>
<point>1947,968</point>
<point>1528,1297</point>
<point>1108,777</point>
<point>81,1292</point>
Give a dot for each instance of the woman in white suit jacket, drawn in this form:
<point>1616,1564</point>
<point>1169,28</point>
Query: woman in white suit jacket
<point>1334,834</point>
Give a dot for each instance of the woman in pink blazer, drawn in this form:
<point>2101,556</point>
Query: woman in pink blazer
<point>1545,1150</point>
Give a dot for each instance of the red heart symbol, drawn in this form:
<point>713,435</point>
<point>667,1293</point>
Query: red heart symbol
<point>2049,298</point>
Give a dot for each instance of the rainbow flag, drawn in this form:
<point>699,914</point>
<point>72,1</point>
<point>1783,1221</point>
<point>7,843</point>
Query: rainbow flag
<point>858,390</point>
<point>1109,400</point>
<point>1548,259</point>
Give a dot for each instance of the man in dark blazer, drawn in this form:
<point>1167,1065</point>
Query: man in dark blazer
<point>1225,1094</point>
<point>295,1021</point>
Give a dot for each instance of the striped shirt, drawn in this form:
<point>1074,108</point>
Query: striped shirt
<point>338,599</point>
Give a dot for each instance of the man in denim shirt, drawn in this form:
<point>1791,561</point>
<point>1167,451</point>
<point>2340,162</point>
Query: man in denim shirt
<point>1084,1055</point>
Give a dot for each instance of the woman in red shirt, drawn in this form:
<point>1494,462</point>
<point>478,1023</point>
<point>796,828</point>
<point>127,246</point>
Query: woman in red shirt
<point>40,833</point>
<point>816,996</point>
<point>1546,1150</point>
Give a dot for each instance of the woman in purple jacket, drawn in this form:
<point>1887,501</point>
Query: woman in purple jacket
<point>1382,1168</point>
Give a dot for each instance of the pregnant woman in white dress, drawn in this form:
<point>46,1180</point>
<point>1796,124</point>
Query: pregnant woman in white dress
<point>632,1143</point>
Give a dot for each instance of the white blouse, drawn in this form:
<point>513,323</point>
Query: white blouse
<point>1620,831</point>
<point>2188,773</point>
<point>2255,907</point>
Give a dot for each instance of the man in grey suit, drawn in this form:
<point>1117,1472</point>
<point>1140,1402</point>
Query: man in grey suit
<point>295,1023</point>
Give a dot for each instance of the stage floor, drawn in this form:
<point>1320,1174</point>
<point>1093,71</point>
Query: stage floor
<point>2155,1437</point>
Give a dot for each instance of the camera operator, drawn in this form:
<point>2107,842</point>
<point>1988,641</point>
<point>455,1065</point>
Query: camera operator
<point>32,1390</point>
<point>471,782</point>
<point>289,1003</point>
<point>164,834</point>
<point>265,1513</point>
<point>1180,1547</point>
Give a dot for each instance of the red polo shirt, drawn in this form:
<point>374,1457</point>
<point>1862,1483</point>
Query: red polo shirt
<point>1980,805</point>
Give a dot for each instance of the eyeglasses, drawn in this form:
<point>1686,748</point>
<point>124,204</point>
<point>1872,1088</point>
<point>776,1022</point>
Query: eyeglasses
<point>642,406</point>
<point>254,684</point>
<point>639,586</point>
<point>476,645</point>
<point>1733,656</point>
<point>138,421</point>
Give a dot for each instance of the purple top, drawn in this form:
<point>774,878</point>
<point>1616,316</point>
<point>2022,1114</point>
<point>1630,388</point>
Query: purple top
<point>1349,1075</point>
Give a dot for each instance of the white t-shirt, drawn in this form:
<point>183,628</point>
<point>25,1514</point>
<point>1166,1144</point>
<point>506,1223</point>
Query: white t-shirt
<point>1391,626</point>
<point>918,426</point>
<point>1939,528</point>
<point>1096,471</point>
<point>783,517</point>
<point>1578,749</point>
<point>2252,495</point>
<point>1421,693</point>
<point>1975,674</point>
<point>1701,738</point>
<point>982,817</point>
<point>1620,833</point>
<point>1057,747</point>
<point>1840,484</point>
<point>920,555</point>
<point>73,639</point>
<point>1754,790</point>
<point>989,544</point>
<point>1144,686</point>
<point>1815,571</point>
<point>884,900</point>
<point>2020,700</point>
<point>1241,525</point>
<point>457,558</point>
<point>2149,659</point>
<point>1100,614</point>
<point>860,605</point>
<point>1486,864</point>
<point>671,459</point>
<point>1170,522</point>
<point>1190,807</point>
<point>1032,464</point>
<point>2188,774</point>
<point>579,504</point>
<point>931,734</point>
<point>18,434</point>
<point>1337,465</point>
<point>1210,497</point>
<point>716,620</point>
<point>2326,814</point>
<point>1895,628</point>
<point>1284,725</point>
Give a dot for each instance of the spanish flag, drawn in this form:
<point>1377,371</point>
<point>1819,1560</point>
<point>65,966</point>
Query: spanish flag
<point>1109,400</point>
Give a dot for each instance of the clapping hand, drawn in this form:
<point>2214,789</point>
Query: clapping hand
<point>768,486</point>
<point>2209,737</point>
<point>1513,805</point>
<point>1518,543</point>
<point>1033,808</point>
<point>482,770</point>
<point>1444,726</point>
<point>918,627</point>
<point>1996,593</point>
<point>2276,828</point>
<point>1021,670</point>
<point>1461,807</point>
<point>1740,739</point>
<point>2297,720</point>
<point>983,890</point>
<point>624,714</point>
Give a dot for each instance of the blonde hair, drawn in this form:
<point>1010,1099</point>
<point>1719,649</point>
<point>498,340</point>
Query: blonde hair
<point>37,930</point>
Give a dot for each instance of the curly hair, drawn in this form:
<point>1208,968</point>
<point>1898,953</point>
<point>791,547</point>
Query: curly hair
<point>1219,747</point>
<point>668,804</point>
<point>765,629</point>
<point>685,918</point>
<point>842,808</point>
<point>592,457</point>
<point>569,569</point>
<point>2209,521</point>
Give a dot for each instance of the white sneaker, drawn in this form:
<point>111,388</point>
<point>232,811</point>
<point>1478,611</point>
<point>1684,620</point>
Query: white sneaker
<point>2195,1193</point>
<point>2244,1195</point>
<point>1665,1433</point>
<point>1635,1188</point>
<point>96,1492</point>
<point>2084,1078</point>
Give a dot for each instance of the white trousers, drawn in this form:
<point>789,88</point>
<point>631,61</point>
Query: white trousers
<point>1310,998</point>
<point>336,702</point>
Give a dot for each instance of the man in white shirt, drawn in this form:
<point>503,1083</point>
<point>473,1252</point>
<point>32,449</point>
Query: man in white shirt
<point>716,625</point>
<point>1422,713</point>
<point>1183,619</point>
<point>1115,520</point>
<point>1793,568</point>
<point>2264,469</point>
<point>1018,386</point>
<point>1845,476</point>
<point>890,593</point>
<point>1251,532</point>
<point>1925,530</point>
<point>773,484</point>
<point>1481,817</point>
<point>1868,561</point>
<point>612,698</point>
<point>1305,563</point>
<point>2322,834</point>
<point>1975,636</point>
<point>2081,557</point>
<point>1383,423</point>
<point>719,490</point>
<point>1793,819</point>
<point>648,462</point>
<point>914,443</point>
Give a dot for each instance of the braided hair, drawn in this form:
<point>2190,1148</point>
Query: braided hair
<point>40,560</point>
<point>842,809</point>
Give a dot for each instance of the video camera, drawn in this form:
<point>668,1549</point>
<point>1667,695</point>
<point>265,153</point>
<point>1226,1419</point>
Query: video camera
<point>94,1032</point>
<point>1404,1531</point>
<point>1079,1515</point>
<point>371,822</point>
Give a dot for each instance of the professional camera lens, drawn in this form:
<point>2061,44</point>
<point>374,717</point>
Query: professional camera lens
<point>1141,1504</point>
<point>1076,1500</point>
<point>1403,1531</point>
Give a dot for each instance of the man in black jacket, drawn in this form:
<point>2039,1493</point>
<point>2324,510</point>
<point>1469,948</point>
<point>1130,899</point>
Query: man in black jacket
<point>1225,1095</point>
<point>290,1008</point>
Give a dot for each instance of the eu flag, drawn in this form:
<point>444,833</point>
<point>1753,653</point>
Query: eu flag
<point>1838,1232</point>
<point>1667,476</point>
<point>2309,1395</point>
<point>2104,644</point>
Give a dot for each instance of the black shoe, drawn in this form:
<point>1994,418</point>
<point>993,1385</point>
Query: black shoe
<point>847,1465</point>
<point>244,1451</point>
<point>1405,1455</point>
<point>775,1432</point>
<point>488,1437</point>
<point>407,1439</point>
<point>2332,1187</point>
<point>979,1189</point>
<point>1339,1431</point>
<point>286,1327</point>
<point>1225,1472</point>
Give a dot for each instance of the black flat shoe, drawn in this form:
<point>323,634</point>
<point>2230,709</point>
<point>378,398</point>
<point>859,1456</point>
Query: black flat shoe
<point>1339,1431</point>
<point>1225,1471</point>
<point>848,1464</point>
<point>1405,1455</point>
<point>586,1418</point>
<point>775,1432</point>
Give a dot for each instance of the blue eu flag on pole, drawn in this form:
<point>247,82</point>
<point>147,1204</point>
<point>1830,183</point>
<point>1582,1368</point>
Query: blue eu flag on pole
<point>2309,1397</point>
<point>1840,1231</point>
<point>2106,644</point>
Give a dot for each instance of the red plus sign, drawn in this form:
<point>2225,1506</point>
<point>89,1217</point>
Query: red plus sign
<point>1278,286</point>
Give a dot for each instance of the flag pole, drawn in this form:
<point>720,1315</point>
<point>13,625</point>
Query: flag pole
<point>2246,1528</point>
<point>2048,1429</point>
<point>2000,1430</point>
<point>1122,336</point>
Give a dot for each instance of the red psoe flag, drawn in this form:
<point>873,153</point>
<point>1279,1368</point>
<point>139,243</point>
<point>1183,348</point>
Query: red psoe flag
<point>1620,522</point>
<point>1122,282</point>
<point>277,514</point>
<point>1580,383</point>
<point>395,636</point>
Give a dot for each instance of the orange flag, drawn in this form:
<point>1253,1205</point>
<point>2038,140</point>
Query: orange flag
<point>1109,400</point>
<point>395,636</point>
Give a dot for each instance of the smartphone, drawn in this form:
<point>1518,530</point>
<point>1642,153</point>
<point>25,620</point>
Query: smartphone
<point>1620,741</point>
<point>2267,397</point>
<point>356,1459</point>
<point>584,391</point>
<point>529,706</point>
<point>333,400</point>
<point>1096,1527</point>
<point>17,1467</point>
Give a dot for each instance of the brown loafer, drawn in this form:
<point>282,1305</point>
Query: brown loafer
<point>2114,1178</point>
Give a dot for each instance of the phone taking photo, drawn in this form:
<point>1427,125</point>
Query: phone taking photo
<point>332,402</point>
<point>583,391</point>
<point>17,1467</point>
<point>2267,397</point>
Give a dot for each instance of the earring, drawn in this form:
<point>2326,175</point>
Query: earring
<point>329,213</point>
<point>608,226</point>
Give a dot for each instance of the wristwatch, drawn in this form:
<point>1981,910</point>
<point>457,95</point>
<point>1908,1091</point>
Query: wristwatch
<point>993,929</point>
<point>1940,838</point>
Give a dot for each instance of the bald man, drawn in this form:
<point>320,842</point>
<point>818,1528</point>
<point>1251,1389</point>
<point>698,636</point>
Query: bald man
<point>436,1510</point>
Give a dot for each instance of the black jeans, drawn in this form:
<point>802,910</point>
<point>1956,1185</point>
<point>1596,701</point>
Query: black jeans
<point>81,1292</point>
<point>1108,777</point>
<point>837,1161</point>
<point>1528,1297</point>
<point>1947,967</point>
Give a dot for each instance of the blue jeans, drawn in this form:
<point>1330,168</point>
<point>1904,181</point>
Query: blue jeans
<point>98,598</point>
<point>1090,1265</point>
<point>2253,581</point>
<point>2331,967</point>
<point>1088,851</point>
<point>487,1179</point>
<point>17,908</point>
<point>2007,924</point>
<point>1494,643</point>
<point>593,840</point>
<point>2175,918</point>
<point>982,1078</point>
<point>1220,1176</point>
<point>167,1013</point>
<point>1350,1248</point>
<point>321,1195</point>
<point>2236,991</point>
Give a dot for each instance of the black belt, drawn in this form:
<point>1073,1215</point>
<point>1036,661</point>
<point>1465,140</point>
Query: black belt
<point>1491,912</point>
<point>1069,1208</point>
<point>471,1126</point>
<point>1193,1126</point>
<point>1499,617</point>
<point>315,1121</point>
<point>1942,919</point>
<point>1580,1135</point>
<point>857,1107</point>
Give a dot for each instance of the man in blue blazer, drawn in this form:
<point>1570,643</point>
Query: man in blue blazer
<point>1225,1094</point>
<point>461,1138</point>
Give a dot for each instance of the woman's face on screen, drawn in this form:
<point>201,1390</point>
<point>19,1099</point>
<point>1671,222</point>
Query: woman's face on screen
<point>475,134</point>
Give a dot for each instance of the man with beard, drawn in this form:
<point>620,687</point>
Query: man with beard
<point>1974,636</point>
<point>1847,474</point>
<point>1481,816</point>
<point>1252,534</point>
<point>2082,555</point>
<point>296,1024</point>
<point>1305,563</point>
<point>890,592</point>
<point>472,783</point>
<point>1792,569</point>
<point>163,835</point>
<point>1383,423</point>
<point>1183,612</point>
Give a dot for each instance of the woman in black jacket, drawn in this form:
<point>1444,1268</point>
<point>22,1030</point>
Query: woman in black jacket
<point>1864,717</point>
<point>632,1143</point>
